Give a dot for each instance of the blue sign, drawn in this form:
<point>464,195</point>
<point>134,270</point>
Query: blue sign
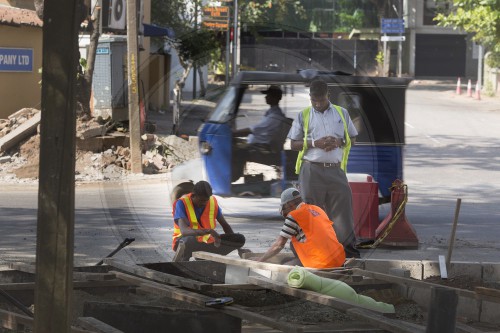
<point>102,50</point>
<point>16,60</point>
<point>392,26</point>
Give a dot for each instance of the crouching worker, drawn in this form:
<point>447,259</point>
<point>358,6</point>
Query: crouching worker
<point>313,240</point>
<point>195,219</point>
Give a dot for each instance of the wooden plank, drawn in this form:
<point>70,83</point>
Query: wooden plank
<point>255,264</point>
<point>391,325</point>
<point>56,183</point>
<point>80,276</point>
<point>463,328</point>
<point>488,291</point>
<point>222,286</point>
<point>416,283</point>
<point>96,325</point>
<point>157,276</point>
<point>312,296</point>
<point>76,285</point>
<point>14,321</point>
<point>199,300</point>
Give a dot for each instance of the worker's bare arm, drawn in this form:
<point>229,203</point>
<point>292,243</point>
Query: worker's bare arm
<point>276,248</point>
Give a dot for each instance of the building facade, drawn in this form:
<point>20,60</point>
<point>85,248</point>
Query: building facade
<point>20,59</point>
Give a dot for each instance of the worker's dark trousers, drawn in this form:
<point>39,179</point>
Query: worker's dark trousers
<point>328,188</point>
<point>229,242</point>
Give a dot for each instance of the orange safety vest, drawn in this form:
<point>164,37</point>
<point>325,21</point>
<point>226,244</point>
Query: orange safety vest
<point>321,248</point>
<point>208,218</point>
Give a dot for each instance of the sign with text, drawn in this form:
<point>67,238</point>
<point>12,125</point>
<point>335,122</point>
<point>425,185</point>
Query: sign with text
<point>392,38</point>
<point>215,25</point>
<point>16,60</point>
<point>221,12</point>
<point>392,26</point>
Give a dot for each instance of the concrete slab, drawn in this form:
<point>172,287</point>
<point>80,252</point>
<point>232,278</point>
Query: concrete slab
<point>491,272</point>
<point>490,313</point>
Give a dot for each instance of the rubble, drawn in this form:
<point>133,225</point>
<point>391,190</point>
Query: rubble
<point>20,163</point>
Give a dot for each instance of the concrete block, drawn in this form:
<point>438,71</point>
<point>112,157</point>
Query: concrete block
<point>26,129</point>
<point>491,272</point>
<point>430,268</point>
<point>383,266</point>
<point>399,272</point>
<point>414,266</point>
<point>474,270</point>
<point>469,308</point>
<point>490,313</point>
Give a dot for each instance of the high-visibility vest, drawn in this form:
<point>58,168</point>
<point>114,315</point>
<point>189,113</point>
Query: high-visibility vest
<point>208,218</point>
<point>321,248</point>
<point>345,155</point>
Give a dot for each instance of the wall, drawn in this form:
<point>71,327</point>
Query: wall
<point>20,89</point>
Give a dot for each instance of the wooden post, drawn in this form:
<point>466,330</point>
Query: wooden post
<point>133,89</point>
<point>442,310</point>
<point>56,194</point>
<point>452,236</point>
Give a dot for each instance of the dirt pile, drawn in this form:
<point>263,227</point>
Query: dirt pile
<point>160,154</point>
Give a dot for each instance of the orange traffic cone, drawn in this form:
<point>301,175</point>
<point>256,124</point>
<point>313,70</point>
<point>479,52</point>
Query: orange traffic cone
<point>478,91</point>
<point>459,88</point>
<point>469,89</point>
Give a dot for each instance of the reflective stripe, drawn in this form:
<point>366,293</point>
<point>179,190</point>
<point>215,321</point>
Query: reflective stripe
<point>190,212</point>
<point>209,215</point>
<point>345,154</point>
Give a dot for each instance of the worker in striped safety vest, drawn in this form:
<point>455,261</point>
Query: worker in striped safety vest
<point>195,220</point>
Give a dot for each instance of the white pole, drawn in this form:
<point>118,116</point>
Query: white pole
<point>480,66</point>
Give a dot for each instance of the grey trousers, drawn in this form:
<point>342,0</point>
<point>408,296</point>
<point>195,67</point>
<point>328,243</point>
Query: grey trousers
<point>329,189</point>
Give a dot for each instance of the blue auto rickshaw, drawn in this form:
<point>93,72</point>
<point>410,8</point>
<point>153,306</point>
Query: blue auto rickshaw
<point>376,106</point>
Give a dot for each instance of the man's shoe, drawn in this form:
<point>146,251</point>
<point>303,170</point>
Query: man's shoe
<point>179,253</point>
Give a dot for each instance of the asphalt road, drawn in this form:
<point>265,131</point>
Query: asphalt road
<point>453,151</point>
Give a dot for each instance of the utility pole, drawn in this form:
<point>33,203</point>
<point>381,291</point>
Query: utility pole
<point>195,29</point>
<point>228,47</point>
<point>56,193</point>
<point>235,38</point>
<point>133,89</point>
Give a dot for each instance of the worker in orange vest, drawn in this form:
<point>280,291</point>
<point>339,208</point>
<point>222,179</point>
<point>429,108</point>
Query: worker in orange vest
<point>313,240</point>
<point>195,218</point>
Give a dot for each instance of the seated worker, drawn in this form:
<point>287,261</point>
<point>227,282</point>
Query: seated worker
<point>313,240</point>
<point>267,134</point>
<point>195,219</point>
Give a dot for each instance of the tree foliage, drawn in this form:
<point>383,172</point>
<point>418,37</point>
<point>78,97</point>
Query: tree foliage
<point>480,17</point>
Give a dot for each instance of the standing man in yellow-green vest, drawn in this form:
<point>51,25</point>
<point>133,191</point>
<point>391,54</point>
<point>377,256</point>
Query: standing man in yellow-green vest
<point>323,134</point>
<point>195,219</point>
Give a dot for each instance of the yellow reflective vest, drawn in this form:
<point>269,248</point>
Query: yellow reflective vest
<point>305,119</point>
<point>208,219</point>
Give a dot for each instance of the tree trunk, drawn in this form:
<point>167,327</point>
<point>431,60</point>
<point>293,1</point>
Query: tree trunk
<point>84,92</point>
<point>179,85</point>
<point>39,8</point>
<point>203,88</point>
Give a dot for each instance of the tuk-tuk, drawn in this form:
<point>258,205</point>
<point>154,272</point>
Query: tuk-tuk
<point>376,106</point>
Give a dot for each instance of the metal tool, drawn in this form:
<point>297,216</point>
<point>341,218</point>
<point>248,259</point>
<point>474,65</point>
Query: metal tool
<point>126,242</point>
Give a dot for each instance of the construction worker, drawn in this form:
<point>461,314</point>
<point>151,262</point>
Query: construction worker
<point>323,133</point>
<point>313,240</point>
<point>195,219</point>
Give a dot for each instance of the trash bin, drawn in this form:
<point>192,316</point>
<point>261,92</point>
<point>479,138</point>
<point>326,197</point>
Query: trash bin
<point>364,205</point>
